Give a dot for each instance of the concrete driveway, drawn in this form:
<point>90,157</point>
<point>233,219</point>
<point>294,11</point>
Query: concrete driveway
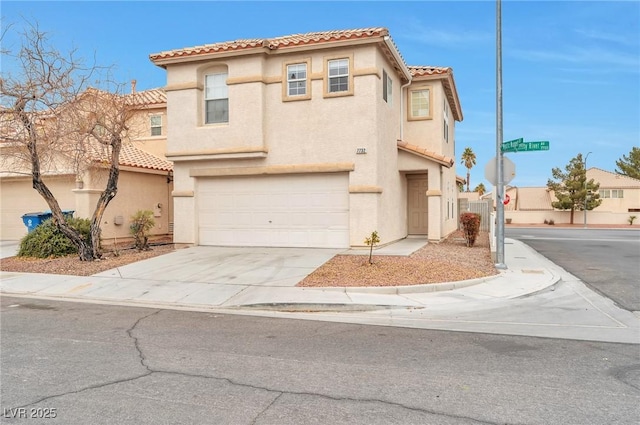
<point>9,248</point>
<point>229,265</point>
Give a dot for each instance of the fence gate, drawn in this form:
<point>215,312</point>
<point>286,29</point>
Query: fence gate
<point>478,207</point>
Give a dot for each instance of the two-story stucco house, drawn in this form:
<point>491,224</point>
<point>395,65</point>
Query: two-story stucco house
<point>309,140</point>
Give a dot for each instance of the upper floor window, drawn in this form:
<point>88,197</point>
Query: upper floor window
<point>420,104</point>
<point>338,75</point>
<point>611,193</point>
<point>297,79</point>
<point>297,82</point>
<point>156,125</point>
<point>216,99</point>
<point>387,87</point>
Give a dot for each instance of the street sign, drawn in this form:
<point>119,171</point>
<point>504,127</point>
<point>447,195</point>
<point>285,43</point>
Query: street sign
<point>508,171</point>
<point>526,146</point>
<point>511,143</point>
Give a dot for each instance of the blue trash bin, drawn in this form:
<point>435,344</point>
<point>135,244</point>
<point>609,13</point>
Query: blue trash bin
<point>32,220</point>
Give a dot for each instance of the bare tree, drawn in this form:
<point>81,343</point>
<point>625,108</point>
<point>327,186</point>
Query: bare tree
<point>51,117</point>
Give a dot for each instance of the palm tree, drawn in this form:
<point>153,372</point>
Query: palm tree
<point>468,160</point>
<point>480,189</point>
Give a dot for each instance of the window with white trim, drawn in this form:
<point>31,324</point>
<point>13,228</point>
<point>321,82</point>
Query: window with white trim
<point>216,99</point>
<point>156,125</point>
<point>297,79</point>
<point>387,87</point>
<point>338,75</point>
<point>420,104</point>
<point>611,193</point>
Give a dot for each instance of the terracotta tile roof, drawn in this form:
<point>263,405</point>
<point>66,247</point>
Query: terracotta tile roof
<point>609,180</point>
<point>417,150</point>
<point>132,157</point>
<point>151,97</point>
<point>419,71</point>
<point>274,43</point>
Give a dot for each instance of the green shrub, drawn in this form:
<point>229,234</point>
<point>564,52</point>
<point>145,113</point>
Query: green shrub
<point>371,241</point>
<point>631,219</point>
<point>47,241</point>
<point>141,223</point>
<point>470,227</point>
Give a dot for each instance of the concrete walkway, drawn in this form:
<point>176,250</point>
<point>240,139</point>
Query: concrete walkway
<point>532,297</point>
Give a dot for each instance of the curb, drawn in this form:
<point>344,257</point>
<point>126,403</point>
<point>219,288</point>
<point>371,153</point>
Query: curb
<point>405,289</point>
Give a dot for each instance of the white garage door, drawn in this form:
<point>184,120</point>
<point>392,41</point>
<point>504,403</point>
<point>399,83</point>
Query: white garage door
<point>286,211</point>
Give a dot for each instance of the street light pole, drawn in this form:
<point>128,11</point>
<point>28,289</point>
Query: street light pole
<point>585,189</point>
<point>500,262</point>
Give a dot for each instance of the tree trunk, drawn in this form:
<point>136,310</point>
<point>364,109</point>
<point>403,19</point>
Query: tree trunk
<point>572,210</point>
<point>468,179</point>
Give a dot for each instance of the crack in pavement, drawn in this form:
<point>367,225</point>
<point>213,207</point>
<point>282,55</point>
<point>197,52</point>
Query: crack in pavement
<point>106,384</point>
<point>325,396</point>
<point>253,422</point>
<point>151,371</point>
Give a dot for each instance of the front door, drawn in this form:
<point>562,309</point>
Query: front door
<point>417,207</point>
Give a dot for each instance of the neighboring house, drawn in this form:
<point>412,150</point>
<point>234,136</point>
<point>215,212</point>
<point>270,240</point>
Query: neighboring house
<point>145,181</point>
<point>620,199</point>
<point>309,140</point>
<point>619,193</point>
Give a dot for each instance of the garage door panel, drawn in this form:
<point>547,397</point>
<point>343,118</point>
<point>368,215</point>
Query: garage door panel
<point>292,210</point>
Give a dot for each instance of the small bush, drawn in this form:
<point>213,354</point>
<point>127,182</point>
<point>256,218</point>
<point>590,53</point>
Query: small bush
<point>470,226</point>
<point>631,219</point>
<point>551,222</point>
<point>141,223</point>
<point>47,241</point>
<point>371,241</point>
<point>546,221</point>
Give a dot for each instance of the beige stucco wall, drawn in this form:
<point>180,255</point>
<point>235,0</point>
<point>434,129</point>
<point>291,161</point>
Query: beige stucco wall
<point>140,131</point>
<point>564,217</point>
<point>18,197</point>
<point>264,131</point>
<point>136,191</point>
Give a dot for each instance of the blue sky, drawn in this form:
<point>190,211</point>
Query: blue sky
<point>571,70</point>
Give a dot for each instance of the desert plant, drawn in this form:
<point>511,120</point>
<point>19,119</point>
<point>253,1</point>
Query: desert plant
<point>141,223</point>
<point>47,240</point>
<point>372,240</point>
<point>546,221</point>
<point>631,219</point>
<point>470,226</point>
<point>551,222</point>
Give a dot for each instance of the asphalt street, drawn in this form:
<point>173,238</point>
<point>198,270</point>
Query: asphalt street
<point>88,363</point>
<point>606,260</point>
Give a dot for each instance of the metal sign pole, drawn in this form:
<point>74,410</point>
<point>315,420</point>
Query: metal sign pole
<point>499,163</point>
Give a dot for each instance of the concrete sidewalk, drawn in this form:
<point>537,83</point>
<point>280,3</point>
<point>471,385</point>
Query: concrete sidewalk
<point>532,297</point>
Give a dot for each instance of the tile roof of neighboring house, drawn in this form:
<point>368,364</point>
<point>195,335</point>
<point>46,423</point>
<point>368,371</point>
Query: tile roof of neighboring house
<point>417,150</point>
<point>151,97</point>
<point>533,199</point>
<point>609,180</point>
<point>132,157</point>
<point>274,43</point>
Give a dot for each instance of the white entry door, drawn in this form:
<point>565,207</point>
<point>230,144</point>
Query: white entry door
<point>293,210</point>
